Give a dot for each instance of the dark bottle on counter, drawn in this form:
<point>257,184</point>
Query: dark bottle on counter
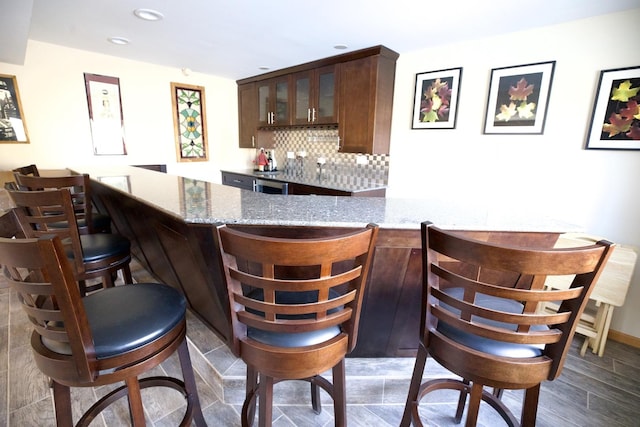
<point>269,162</point>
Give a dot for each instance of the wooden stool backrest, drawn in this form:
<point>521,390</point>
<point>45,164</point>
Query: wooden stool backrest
<point>454,261</point>
<point>39,271</point>
<point>35,212</point>
<point>275,265</point>
<point>78,185</point>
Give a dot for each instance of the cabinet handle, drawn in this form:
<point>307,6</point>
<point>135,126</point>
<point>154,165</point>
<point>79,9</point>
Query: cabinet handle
<point>313,116</point>
<point>253,141</point>
<point>273,118</point>
<point>308,115</point>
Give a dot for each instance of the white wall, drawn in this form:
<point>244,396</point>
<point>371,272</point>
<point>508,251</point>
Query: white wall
<point>551,173</point>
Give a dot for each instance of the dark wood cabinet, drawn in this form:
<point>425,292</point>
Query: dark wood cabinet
<point>315,97</point>
<point>247,115</point>
<point>274,102</point>
<point>353,90</point>
<point>366,86</point>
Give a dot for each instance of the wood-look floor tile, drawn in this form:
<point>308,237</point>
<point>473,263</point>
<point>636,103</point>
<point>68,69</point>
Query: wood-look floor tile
<point>26,382</point>
<point>3,397</point>
<point>39,413</point>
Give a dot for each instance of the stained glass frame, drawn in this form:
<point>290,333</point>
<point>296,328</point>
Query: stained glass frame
<point>189,122</point>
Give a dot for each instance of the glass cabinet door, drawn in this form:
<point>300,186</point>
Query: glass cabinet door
<point>264,109</point>
<point>315,99</point>
<point>282,104</point>
<point>302,99</point>
<point>326,105</point>
<point>273,102</point>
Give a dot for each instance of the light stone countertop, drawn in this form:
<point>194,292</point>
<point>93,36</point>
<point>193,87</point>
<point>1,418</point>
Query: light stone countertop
<point>197,201</point>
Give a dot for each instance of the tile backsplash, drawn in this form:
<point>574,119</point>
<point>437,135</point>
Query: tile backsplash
<point>324,143</point>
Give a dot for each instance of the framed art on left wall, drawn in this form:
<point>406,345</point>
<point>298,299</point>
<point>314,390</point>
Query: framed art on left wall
<point>12,125</point>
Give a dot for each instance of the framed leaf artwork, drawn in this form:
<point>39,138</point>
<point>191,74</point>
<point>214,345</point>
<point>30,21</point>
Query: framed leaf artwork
<point>615,121</point>
<point>435,104</point>
<point>518,99</point>
<point>189,122</point>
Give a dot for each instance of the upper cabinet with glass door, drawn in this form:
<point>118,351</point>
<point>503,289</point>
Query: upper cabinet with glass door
<point>315,96</point>
<point>274,102</point>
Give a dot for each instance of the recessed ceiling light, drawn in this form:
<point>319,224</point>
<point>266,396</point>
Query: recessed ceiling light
<point>263,67</point>
<point>148,14</point>
<point>119,40</point>
<point>340,46</point>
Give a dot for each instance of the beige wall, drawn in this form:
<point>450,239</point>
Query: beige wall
<point>551,174</point>
<point>51,84</point>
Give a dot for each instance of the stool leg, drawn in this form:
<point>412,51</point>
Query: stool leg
<point>126,274</point>
<point>265,401</point>
<point>530,406</point>
<point>250,389</point>
<point>135,402</point>
<point>190,383</point>
<point>62,404</point>
<point>339,395</point>
<point>315,398</point>
<point>474,404</point>
<point>414,387</point>
<point>462,400</point>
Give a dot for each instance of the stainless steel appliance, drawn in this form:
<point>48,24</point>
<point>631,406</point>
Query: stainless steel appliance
<point>270,187</point>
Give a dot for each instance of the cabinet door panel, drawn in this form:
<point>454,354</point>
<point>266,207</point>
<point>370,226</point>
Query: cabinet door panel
<point>247,111</point>
<point>264,108</point>
<point>356,108</point>
<point>326,106</point>
<point>302,85</point>
<point>282,104</point>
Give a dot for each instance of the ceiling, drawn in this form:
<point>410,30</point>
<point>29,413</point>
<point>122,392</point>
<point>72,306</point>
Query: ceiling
<point>233,38</point>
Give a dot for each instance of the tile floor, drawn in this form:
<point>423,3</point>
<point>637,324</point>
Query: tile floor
<point>592,391</point>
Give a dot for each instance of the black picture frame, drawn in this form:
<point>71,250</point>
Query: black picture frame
<point>615,119</point>
<point>435,102</point>
<point>518,99</point>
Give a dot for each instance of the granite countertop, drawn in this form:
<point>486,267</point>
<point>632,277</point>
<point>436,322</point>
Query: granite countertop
<point>196,201</point>
<point>328,178</point>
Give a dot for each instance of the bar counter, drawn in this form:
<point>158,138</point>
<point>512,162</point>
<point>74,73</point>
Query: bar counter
<point>171,221</point>
<point>200,202</point>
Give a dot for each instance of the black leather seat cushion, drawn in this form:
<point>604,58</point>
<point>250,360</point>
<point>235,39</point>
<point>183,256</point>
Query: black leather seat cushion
<point>485,345</point>
<point>299,339</point>
<point>129,316</point>
<point>102,245</point>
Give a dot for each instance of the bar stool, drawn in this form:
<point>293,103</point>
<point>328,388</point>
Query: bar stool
<point>295,308</point>
<point>108,337</point>
<point>93,255</point>
<point>480,319</point>
<point>89,222</point>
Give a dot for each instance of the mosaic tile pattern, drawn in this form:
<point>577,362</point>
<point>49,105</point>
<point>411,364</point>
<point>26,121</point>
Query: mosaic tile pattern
<point>325,142</point>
